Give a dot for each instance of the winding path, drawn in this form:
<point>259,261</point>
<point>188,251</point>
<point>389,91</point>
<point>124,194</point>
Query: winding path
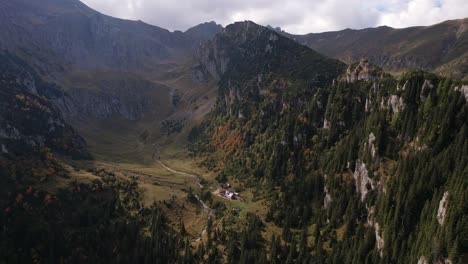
<point>182,173</point>
<point>207,209</point>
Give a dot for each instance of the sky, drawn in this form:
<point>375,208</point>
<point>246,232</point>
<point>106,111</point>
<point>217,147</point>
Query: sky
<point>293,16</point>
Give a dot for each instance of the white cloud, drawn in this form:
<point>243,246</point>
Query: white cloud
<point>424,12</point>
<point>295,16</point>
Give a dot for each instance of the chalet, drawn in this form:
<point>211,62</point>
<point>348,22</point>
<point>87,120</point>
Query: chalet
<point>230,195</point>
<point>228,192</point>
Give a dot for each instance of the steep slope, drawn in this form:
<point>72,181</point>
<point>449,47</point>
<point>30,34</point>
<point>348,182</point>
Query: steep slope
<point>441,48</point>
<point>134,75</point>
<point>367,162</point>
<point>50,211</point>
<point>202,32</point>
<point>73,34</point>
<point>247,48</point>
<point>248,53</point>
<point>29,122</point>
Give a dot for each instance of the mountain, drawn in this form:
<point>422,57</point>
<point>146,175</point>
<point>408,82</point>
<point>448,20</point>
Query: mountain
<point>250,61</point>
<point>69,33</point>
<point>368,161</point>
<point>440,48</point>
<point>106,67</point>
<point>335,149</point>
<point>29,122</point>
<point>247,50</point>
<point>203,32</point>
<point>122,142</point>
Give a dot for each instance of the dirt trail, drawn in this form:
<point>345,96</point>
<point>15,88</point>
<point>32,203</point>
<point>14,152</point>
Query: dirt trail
<point>206,209</point>
<point>197,179</point>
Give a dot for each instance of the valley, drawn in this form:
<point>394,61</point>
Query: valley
<point>123,142</point>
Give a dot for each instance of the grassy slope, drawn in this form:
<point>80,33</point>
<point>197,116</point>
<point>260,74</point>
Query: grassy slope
<point>117,146</point>
<point>441,47</point>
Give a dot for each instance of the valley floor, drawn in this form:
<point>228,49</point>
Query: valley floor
<point>166,175</point>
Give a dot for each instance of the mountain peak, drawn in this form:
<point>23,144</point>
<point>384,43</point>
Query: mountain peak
<point>246,49</point>
<point>204,31</point>
<point>363,71</point>
<point>246,26</point>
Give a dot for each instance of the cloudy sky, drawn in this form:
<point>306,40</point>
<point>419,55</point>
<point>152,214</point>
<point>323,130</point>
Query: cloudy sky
<point>295,16</point>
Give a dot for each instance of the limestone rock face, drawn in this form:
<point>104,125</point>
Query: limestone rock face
<point>129,98</point>
<point>211,62</point>
<point>250,62</point>
<point>370,215</point>
<point>363,71</point>
<point>464,90</point>
<point>441,212</point>
<point>326,124</point>
<point>361,177</point>
<point>35,123</point>
<point>396,103</point>
<point>327,201</point>
<point>425,89</point>
<point>371,144</point>
<point>379,239</point>
<point>422,260</point>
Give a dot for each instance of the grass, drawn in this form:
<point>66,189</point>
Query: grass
<point>116,145</point>
<point>340,232</point>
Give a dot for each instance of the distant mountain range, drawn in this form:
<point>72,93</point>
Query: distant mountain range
<point>54,34</point>
<point>440,48</point>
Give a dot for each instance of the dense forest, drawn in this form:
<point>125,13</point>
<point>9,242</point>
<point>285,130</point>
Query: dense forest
<point>376,168</point>
<point>354,166</point>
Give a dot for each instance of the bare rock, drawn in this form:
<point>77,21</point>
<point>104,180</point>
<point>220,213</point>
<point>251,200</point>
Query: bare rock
<point>361,177</point>
<point>379,239</point>
<point>327,201</point>
<point>441,212</point>
<point>423,260</point>
<point>464,90</point>
<point>363,71</point>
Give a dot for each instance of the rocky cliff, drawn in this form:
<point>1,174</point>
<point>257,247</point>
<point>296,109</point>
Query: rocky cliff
<point>29,122</point>
<point>248,53</point>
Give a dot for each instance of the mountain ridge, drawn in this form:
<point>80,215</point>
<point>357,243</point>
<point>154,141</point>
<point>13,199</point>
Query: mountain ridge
<point>436,48</point>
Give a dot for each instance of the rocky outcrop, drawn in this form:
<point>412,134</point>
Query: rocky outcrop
<point>367,107</point>
<point>371,145</point>
<point>361,177</point>
<point>464,90</point>
<point>442,211</point>
<point>128,103</point>
<point>31,123</point>
<point>370,215</point>
<point>245,51</point>
<point>327,201</point>
<point>426,89</point>
<point>423,260</point>
<point>203,32</point>
<point>211,62</point>
<point>363,71</point>
<point>326,123</point>
<point>396,103</point>
<point>379,239</point>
